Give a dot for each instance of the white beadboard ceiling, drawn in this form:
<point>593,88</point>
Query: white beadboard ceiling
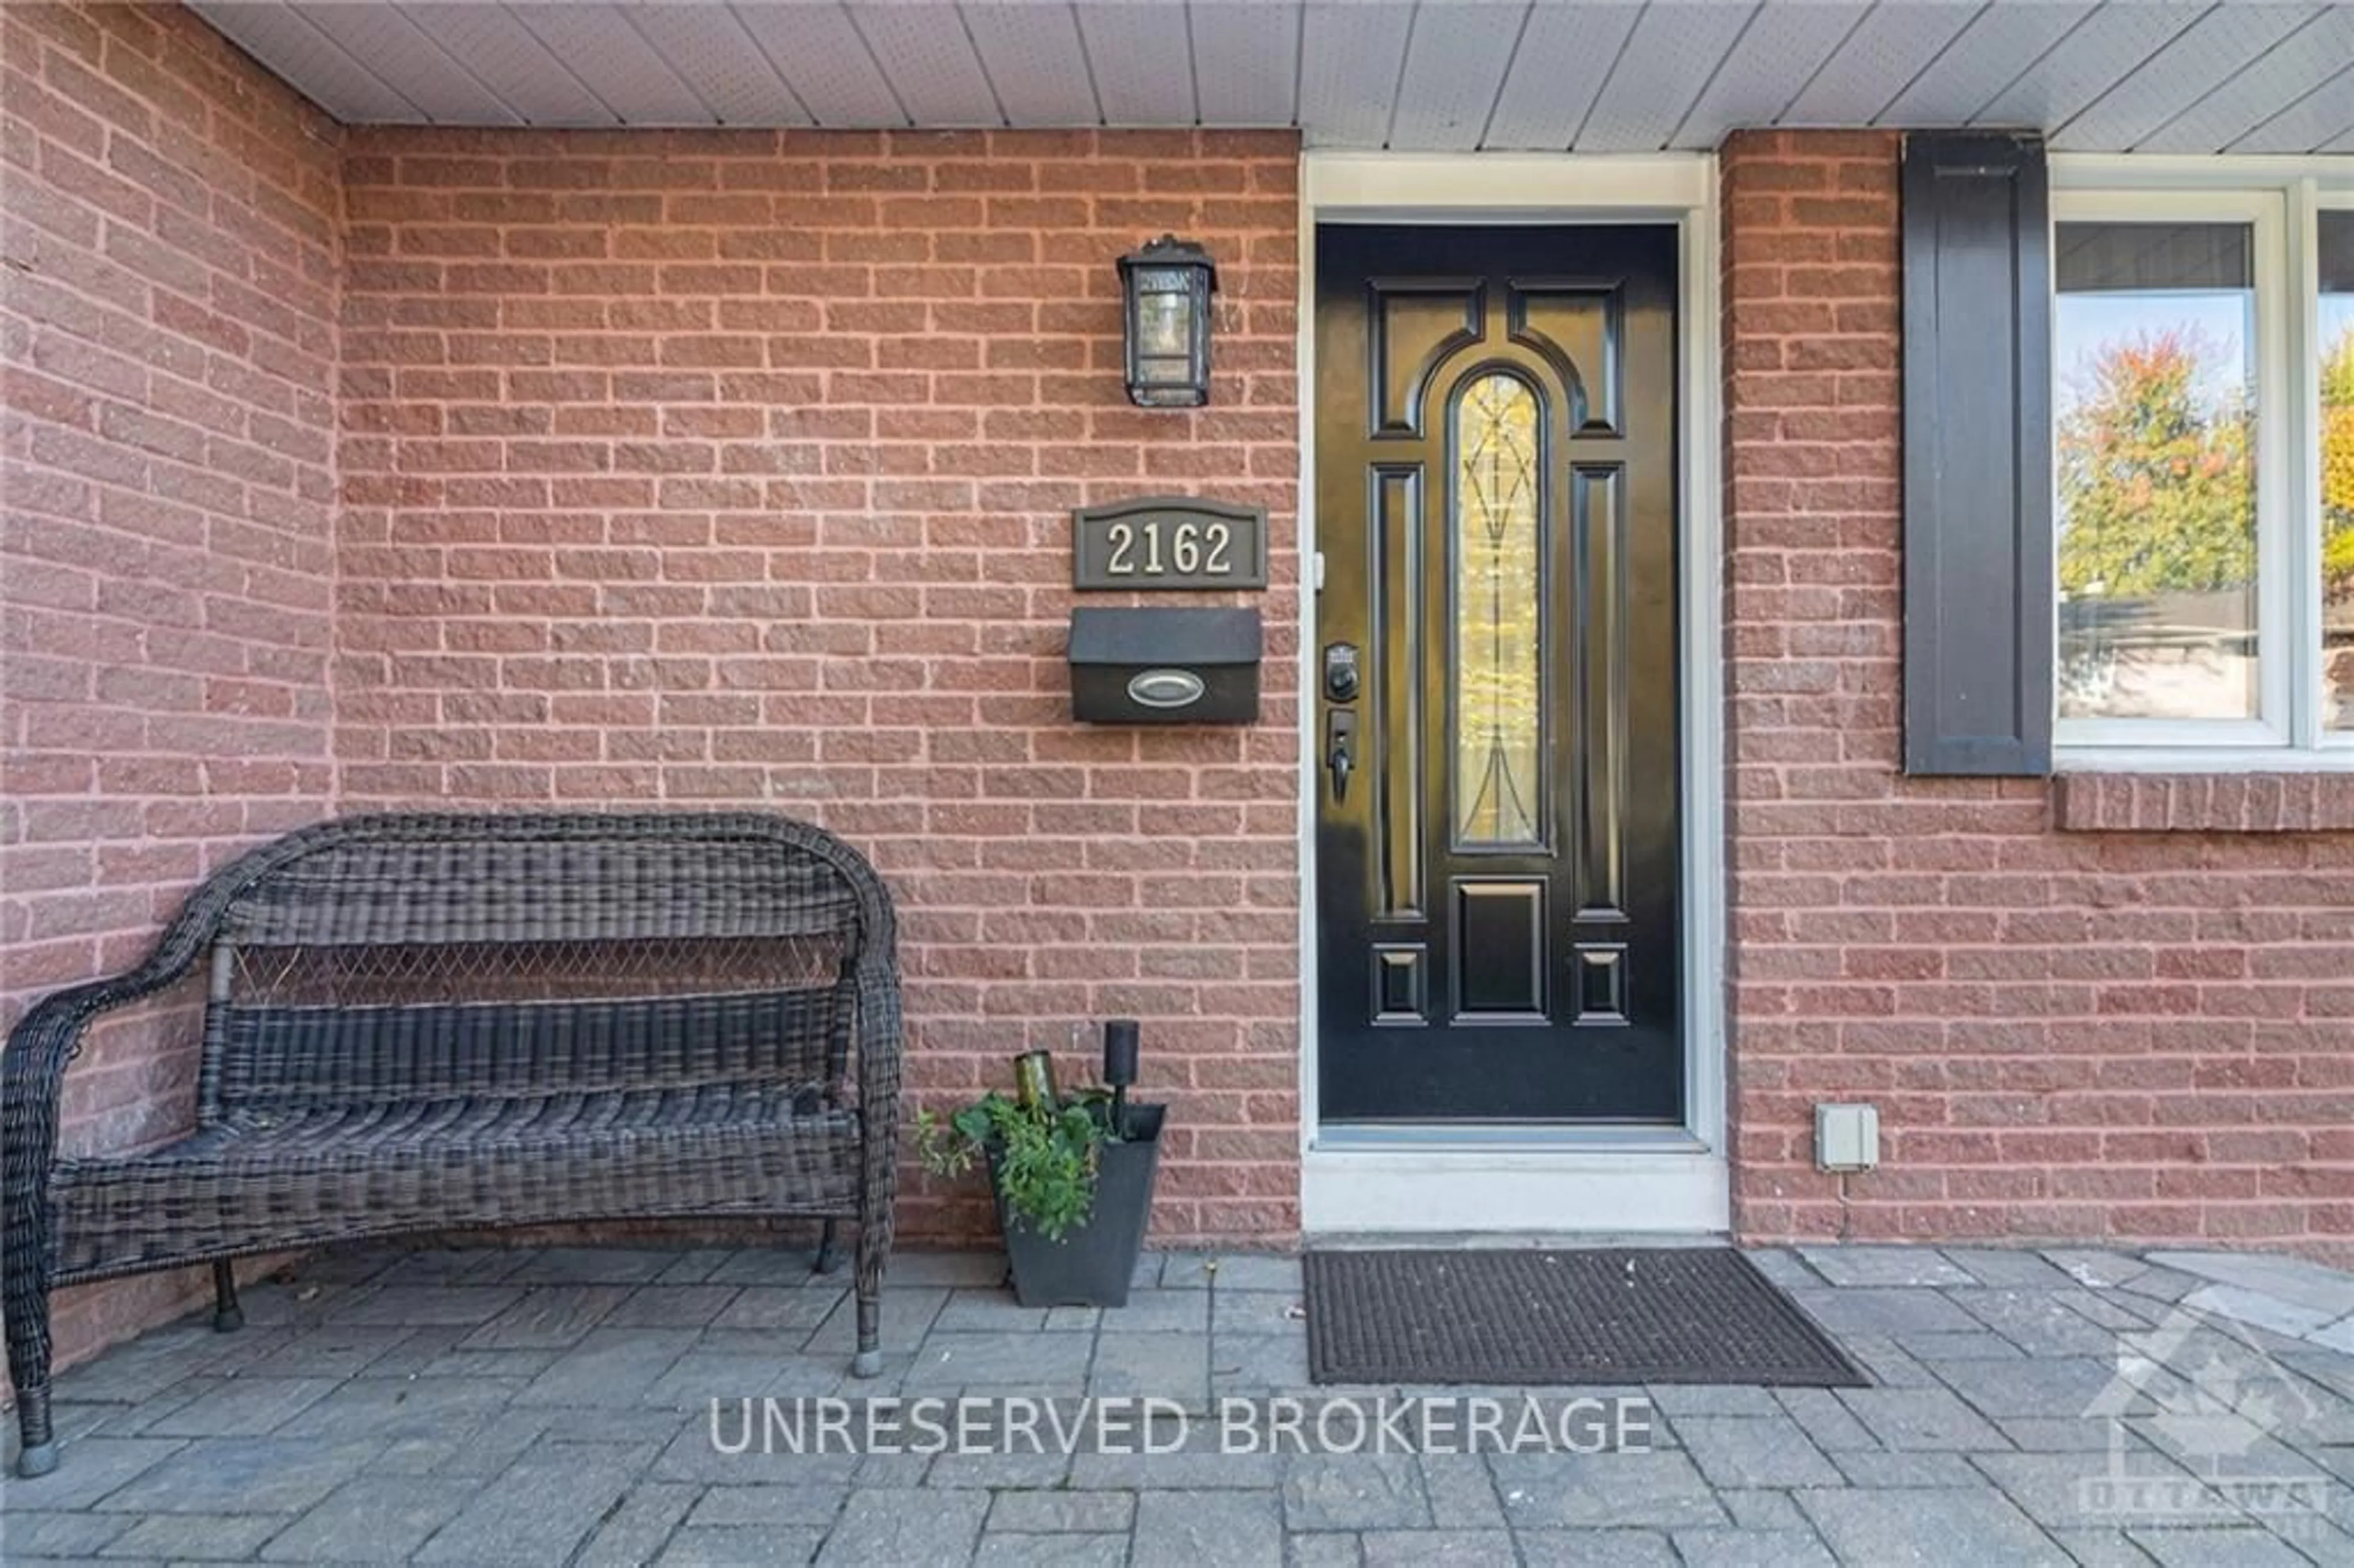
<point>2173,76</point>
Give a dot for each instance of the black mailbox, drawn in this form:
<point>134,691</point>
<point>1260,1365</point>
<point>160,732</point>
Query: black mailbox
<point>1164,666</point>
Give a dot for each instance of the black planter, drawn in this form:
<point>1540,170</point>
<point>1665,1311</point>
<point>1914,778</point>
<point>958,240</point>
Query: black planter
<point>1093,1262</point>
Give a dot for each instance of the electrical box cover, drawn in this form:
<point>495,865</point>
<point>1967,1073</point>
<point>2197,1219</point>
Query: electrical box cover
<point>1846,1137</point>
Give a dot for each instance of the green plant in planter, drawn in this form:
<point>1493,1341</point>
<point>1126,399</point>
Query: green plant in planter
<point>1045,1154</point>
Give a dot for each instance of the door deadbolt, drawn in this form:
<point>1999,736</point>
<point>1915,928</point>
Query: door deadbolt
<point>1340,671</point>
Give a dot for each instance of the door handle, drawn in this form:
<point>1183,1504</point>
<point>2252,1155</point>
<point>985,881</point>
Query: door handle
<point>1340,750</point>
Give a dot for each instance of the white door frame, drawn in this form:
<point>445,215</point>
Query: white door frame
<point>1545,1181</point>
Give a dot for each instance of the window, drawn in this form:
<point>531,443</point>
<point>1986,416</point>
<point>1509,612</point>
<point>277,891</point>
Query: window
<point>2334,349</point>
<point>2203,487</point>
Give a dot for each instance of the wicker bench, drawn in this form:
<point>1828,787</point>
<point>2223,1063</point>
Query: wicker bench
<point>427,1022</point>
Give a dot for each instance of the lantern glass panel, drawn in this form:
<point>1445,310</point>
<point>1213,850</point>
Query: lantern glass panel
<point>1164,315</point>
<point>1164,383</point>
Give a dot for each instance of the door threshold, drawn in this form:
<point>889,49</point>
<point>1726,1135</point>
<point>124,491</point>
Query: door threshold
<point>1517,1241</point>
<point>1424,1189</point>
<point>1592,1138</point>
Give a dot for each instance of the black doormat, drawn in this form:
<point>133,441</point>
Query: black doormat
<point>1524,1316</point>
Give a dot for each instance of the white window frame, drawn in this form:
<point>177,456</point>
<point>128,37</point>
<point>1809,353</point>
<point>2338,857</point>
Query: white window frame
<point>2280,199</point>
<point>2310,201</point>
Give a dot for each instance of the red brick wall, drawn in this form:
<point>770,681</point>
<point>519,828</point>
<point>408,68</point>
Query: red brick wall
<point>2069,1033</point>
<point>168,322</point>
<point>735,469</point>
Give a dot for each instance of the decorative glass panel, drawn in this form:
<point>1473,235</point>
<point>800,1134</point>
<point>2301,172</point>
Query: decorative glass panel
<point>2337,349</point>
<point>1497,561</point>
<point>2154,337</point>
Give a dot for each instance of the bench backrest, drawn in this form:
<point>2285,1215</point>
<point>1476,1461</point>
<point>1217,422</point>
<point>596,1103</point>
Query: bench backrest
<point>404,959</point>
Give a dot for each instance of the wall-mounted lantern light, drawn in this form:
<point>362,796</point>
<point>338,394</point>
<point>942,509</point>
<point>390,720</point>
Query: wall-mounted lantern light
<point>1168,285</point>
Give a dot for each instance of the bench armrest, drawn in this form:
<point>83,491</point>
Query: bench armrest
<point>33,1076</point>
<point>881,1031</point>
<point>881,1041</point>
<point>32,1068</point>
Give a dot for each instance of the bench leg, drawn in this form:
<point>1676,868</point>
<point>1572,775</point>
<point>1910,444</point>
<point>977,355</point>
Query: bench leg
<point>39,1455</point>
<point>829,1249</point>
<point>228,1316</point>
<point>868,1362</point>
<point>28,1368</point>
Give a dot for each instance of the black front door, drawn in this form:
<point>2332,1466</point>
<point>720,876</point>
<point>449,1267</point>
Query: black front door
<point>1498,865</point>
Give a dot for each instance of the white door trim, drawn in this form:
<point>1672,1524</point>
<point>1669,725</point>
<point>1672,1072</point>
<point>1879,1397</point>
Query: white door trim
<point>1581,1179</point>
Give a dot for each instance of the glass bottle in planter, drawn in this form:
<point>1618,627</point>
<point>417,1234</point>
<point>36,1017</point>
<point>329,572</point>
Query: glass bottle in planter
<point>1033,1080</point>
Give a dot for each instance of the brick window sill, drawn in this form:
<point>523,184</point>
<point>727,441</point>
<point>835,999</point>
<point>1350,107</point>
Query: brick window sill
<point>2091,801</point>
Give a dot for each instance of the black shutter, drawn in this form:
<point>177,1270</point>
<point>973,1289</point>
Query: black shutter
<point>1977,456</point>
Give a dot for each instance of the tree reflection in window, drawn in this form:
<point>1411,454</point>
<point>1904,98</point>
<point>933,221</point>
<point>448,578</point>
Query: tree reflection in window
<point>1497,562</point>
<point>2153,328</point>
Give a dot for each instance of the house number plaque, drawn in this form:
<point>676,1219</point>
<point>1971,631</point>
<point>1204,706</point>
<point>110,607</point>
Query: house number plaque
<point>1169,542</point>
